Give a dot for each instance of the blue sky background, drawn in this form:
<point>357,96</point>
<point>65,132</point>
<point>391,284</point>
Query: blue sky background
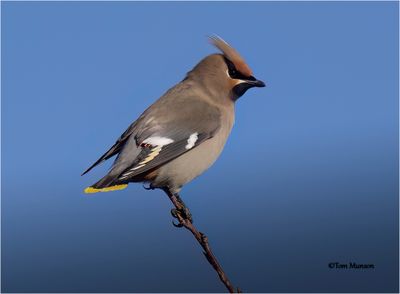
<point>309,175</point>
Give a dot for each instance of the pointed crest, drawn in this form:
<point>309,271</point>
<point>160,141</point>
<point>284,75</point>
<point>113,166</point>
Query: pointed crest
<point>231,54</point>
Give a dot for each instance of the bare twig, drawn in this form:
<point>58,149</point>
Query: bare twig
<point>185,221</point>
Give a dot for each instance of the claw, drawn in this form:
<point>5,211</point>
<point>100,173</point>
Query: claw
<point>184,210</point>
<point>174,213</point>
<point>178,225</point>
<point>150,187</point>
<point>179,213</point>
<point>184,213</point>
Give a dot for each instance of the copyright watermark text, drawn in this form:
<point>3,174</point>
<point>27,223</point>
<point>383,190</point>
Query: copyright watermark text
<point>350,265</point>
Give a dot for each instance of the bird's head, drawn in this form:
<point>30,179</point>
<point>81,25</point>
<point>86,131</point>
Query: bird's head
<point>225,73</point>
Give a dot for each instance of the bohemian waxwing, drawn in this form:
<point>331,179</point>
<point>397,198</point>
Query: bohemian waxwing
<point>182,133</point>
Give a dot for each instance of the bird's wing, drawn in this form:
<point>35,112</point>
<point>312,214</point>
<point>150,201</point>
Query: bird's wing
<point>153,156</point>
<point>165,137</point>
<point>175,119</point>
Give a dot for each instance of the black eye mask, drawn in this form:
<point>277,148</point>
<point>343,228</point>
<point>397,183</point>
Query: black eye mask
<point>235,74</point>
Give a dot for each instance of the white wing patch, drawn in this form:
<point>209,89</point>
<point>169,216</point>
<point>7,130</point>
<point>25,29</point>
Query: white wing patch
<point>192,140</point>
<point>158,141</point>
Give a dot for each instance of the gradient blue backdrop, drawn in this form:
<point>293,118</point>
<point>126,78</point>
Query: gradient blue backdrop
<point>308,177</point>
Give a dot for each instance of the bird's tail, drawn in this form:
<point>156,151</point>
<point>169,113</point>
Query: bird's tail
<point>91,189</point>
<point>106,184</point>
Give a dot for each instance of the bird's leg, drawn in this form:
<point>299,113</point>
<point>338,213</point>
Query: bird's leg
<point>180,211</point>
<point>184,210</point>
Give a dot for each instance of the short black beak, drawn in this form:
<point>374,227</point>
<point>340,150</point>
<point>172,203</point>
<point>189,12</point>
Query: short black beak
<point>256,83</point>
<point>246,84</point>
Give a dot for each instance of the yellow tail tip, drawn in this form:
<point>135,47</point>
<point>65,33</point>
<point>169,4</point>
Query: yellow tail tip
<point>90,190</point>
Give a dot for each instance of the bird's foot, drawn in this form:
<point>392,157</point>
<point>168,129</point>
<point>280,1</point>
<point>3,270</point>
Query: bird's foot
<point>183,213</point>
<point>180,212</point>
<point>150,187</point>
<point>186,211</point>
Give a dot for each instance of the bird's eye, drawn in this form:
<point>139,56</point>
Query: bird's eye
<point>234,73</point>
<point>231,69</point>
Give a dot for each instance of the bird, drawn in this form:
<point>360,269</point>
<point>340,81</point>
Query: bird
<point>182,134</point>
